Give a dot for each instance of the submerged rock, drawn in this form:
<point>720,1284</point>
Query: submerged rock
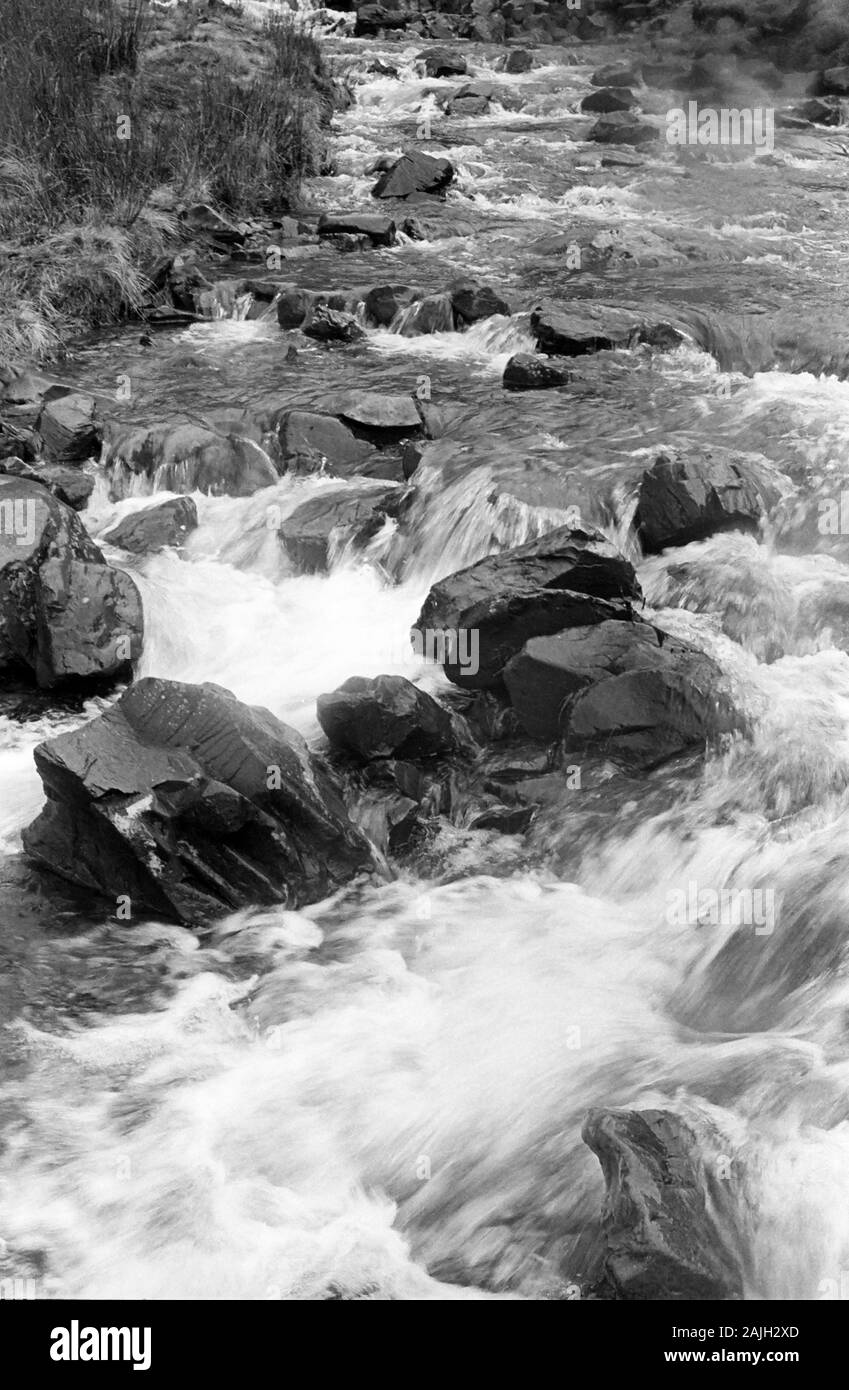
<point>66,616</point>
<point>689,496</point>
<point>568,578</point>
<point>661,1239</point>
<point>385,717</point>
<point>414,172</point>
<point>189,804</point>
<point>155,528</point>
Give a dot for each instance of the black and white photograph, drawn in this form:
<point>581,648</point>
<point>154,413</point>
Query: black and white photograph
<point>424,666</point>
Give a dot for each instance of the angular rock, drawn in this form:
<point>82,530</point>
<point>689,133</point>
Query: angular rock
<point>568,578</point>
<point>545,676</point>
<point>432,314</point>
<point>661,1239</point>
<point>620,128</point>
<point>527,372</point>
<point>385,717</point>
<point>380,417</point>
<point>472,99</point>
<point>688,496</point>
<point>69,427</point>
<point>442,62</point>
<point>586,326</point>
<point>335,519</point>
<point>192,804</point>
<point>332,326</point>
<point>379,230</point>
<point>608,99</point>
<point>384,302</point>
<point>414,172</point>
<point>372,18</point>
<point>71,485</point>
<point>155,528</point>
<point>66,616</point>
<point>309,441</point>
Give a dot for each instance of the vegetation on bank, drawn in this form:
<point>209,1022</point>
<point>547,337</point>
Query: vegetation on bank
<point>113,115</point>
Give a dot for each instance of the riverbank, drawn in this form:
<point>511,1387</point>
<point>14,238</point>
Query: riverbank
<point>116,119</point>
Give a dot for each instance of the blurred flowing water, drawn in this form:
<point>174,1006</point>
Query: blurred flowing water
<point>381,1096</point>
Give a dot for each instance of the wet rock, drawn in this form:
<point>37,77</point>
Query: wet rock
<point>379,230</point>
<point>384,302</point>
<point>590,28</point>
<point>586,326</point>
<point>658,698</point>
<point>568,578</point>
<point>473,302</point>
<point>155,528</point>
<point>820,112</point>
<point>187,457</point>
<point>545,676</point>
<point>332,326</point>
<point>833,82</point>
<point>334,520</point>
<point>414,172</point>
<point>442,62</point>
<point>526,372</point>
<point>69,427</point>
<point>66,616</point>
<point>293,306</point>
<point>310,441</point>
<point>202,220</point>
<point>432,314</point>
<point>686,496</point>
<point>608,99</point>
<point>472,99</point>
<point>385,717</point>
<point>380,418</point>
<point>518,60</point>
<point>71,485</point>
<point>617,75</point>
<point>192,804</point>
<point>620,128</point>
<point>661,1239</point>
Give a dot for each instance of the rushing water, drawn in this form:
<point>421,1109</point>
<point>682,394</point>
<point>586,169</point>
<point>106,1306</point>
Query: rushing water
<point>382,1095</point>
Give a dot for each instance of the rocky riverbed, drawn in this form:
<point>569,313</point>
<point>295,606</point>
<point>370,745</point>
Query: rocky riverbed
<point>423,648</point>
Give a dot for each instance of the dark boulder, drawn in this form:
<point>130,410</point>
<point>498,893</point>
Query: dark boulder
<point>71,485</point>
<point>518,60</point>
<point>442,62</point>
<point>608,99</point>
<point>526,372</point>
<point>332,326</point>
<point>472,99</point>
<point>473,302</point>
<point>833,82</point>
<point>310,441</point>
<point>66,616</point>
<point>385,717</point>
<point>688,496</point>
<point>545,677</point>
<point>620,128</point>
<point>568,578</point>
<point>69,427</point>
<point>379,230</point>
<point>192,804</point>
<point>584,326</point>
<point>155,528</point>
<point>336,519</point>
<point>663,1233</point>
<point>384,302</point>
<point>372,18</point>
<point>414,172</point>
<point>378,416</point>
